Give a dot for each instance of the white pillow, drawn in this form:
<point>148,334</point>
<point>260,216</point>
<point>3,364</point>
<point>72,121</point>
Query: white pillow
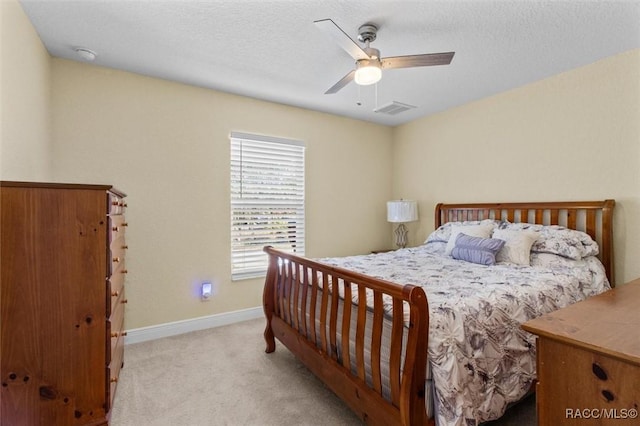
<point>559,240</point>
<point>517,247</point>
<point>444,231</point>
<point>482,231</point>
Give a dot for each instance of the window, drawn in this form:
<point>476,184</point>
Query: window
<point>267,200</point>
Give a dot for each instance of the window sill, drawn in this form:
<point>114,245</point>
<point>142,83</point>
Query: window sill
<point>248,275</point>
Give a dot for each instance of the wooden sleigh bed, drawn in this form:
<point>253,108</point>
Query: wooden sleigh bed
<point>332,335</point>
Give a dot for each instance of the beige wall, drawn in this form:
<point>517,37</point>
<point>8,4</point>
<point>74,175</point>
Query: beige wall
<point>574,136</point>
<point>25,143</point>
<point>166,145</point>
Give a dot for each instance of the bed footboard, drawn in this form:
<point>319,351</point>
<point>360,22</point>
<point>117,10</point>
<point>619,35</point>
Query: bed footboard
<point>311,308</point>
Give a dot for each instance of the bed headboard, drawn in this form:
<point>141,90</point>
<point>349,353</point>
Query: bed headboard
<point>593,217</point>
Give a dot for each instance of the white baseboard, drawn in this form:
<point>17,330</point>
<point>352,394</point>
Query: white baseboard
<point>153,332</point>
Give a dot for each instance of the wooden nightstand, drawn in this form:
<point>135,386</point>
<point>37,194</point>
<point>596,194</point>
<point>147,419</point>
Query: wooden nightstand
<point>588,358</point>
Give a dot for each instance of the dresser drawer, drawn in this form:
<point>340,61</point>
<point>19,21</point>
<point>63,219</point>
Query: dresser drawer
<point>117,226</point>
<point>115,326</point>
<point>113,372</point>
<point>117,253</point>
<point>573,381</point>
<point>117,205</point>
<point>115,285</point>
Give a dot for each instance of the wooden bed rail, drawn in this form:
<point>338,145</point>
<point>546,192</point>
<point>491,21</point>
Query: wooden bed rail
<point>593,217</point>
<point>313,308</point>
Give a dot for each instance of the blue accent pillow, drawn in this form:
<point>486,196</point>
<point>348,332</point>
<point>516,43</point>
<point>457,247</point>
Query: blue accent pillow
<point>476,249</point>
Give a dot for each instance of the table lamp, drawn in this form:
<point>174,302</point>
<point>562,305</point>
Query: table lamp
<point>402,211</point>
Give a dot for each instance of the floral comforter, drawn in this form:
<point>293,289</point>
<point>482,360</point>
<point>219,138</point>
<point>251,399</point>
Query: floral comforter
<point>481,360</point>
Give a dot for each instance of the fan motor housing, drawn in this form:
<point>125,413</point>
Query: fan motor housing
<point>367,33</point>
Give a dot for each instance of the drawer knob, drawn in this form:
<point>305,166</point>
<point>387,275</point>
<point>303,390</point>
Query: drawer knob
<point>115,203</point>
<point>115,293</point>
<point>125,224</point>
<point>116,259</point>
<point>115,229</point>
<point>125,247</point>
<point>113,380</point>
<point>124,271</point>
<point>124,333</point>
<point>125,301</point>
<point>114,334</point>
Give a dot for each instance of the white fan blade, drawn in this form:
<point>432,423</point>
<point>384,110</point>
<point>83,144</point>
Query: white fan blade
<point>418,60</point>
<point>343,40</point>
<point>340,84</point>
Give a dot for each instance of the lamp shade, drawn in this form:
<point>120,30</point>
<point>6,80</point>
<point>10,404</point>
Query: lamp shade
<point>402,211</point>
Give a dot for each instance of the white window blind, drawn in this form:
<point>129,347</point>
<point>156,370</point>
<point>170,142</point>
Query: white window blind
<point>267,200</point>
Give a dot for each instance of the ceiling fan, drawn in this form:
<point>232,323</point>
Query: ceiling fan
<point>369,64</point>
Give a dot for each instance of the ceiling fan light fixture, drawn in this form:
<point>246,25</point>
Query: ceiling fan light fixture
<point>369,63</point>
<point>368,72</point>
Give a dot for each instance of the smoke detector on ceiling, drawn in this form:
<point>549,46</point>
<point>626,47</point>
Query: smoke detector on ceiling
<point>393,108</point>
<point>86,54</point>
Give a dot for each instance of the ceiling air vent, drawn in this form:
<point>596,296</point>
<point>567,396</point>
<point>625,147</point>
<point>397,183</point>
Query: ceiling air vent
<point>393,108</point>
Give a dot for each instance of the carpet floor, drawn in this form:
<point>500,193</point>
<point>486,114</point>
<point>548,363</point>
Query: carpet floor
<point>222,376</point>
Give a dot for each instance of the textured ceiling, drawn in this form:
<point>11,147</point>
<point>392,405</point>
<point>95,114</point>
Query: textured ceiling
<point>271,50</point>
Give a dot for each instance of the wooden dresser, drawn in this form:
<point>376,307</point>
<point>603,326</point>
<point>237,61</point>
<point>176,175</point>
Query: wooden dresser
<point>589,360</point>
<point>62,270</point>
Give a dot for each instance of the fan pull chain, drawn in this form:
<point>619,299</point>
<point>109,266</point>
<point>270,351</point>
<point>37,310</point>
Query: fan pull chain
<point>359,101</point>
